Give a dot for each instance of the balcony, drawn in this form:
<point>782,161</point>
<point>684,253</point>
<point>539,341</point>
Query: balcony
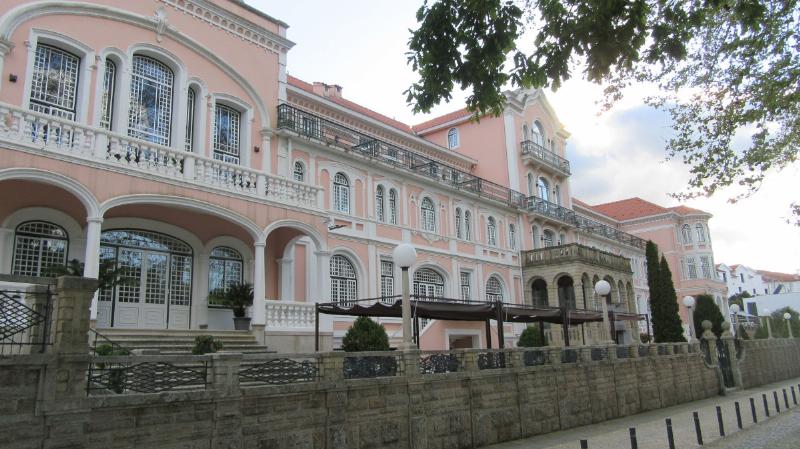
<point>541,154</point>
<point>575,252</point>
<point>95,146</point>
<point>326,132</point>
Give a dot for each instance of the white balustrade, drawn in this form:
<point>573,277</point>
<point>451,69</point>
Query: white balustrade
<point>54,135</point>
<point>290,315</point>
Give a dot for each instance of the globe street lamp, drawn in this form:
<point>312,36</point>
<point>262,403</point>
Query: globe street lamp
<point>405,255</point>
<point>769,325</point>
<point>689,302</point>
<point>601,289</point>
<point>788,316</point>
<point>735,311</point>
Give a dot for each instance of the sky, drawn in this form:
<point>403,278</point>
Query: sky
<point>361,45</point>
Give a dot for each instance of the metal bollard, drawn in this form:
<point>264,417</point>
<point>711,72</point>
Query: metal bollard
<point>719,421</point>
<point>794,396</point>
<point>670,437</point>
<point>738,415</point>
<point>777,404</point>
<point>753,409</point>
<point>634,444</point>
<point>766,405</point>
<point>697,429</point>
<point>785,399</point>
<point>584,444</point>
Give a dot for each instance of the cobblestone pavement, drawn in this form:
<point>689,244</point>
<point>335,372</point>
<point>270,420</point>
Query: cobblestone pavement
<point>783,429</point>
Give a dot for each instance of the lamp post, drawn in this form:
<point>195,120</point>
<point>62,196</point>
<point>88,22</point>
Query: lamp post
<point>735,311</point>
<point>601,289</point>
<point>769,325</point>
<point>788,316</point>
<point>689,302</point>
<point>405,255</point>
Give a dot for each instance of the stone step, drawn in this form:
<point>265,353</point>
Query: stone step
<point>179,341</point>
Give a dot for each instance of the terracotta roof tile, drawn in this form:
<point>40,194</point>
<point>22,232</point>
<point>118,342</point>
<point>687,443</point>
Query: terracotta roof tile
<point>436,121</point>
<point>631,208</point>
<point>355,107</point>
<point>776,276</point>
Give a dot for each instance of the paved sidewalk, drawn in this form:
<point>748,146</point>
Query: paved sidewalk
<point>651,429</point>
<point>781,432</point>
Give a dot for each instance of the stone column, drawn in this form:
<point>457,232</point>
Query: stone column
<point>259,321</point>
<point>730,346</point>
<point>91,259</point>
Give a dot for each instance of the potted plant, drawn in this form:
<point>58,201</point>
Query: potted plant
<point>238,297</point>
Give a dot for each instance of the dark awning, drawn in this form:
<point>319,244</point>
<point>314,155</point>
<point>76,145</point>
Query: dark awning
<point>625,316</point>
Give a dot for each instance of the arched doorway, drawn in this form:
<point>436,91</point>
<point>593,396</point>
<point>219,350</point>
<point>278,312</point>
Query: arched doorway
<point>155,291</point>
<point>539,293</point>
<point>566,293</point>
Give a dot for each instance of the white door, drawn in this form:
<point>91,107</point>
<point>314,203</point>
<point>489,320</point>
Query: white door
<point>141,299</point>
<point>128,293</point>
<point>153,310</point>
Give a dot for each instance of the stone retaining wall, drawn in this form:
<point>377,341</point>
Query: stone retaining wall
<point>456,410</point>
<point>765,361</point>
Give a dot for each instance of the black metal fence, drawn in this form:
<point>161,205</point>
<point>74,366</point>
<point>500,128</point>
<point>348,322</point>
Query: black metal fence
<point>440,363</point>
<point>120,376</point>
<point>369,366</point>
<point>279,371</point>
<point>26,321</point>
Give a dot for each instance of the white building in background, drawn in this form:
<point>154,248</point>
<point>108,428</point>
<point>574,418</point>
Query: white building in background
<point>779,283</point>
<point>741,278</point>
<point>759,306</point>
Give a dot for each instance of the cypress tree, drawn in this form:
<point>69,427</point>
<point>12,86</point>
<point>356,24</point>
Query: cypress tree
<point>669,322</point>
<point>651,255</point>
<point>706,309</point>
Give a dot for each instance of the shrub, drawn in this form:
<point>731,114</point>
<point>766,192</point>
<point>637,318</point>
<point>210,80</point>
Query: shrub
<point>205,344</point>
<point>365,335</point>
<point>531,337</point>
<point>108,349</point>
<point>644,338</point>
<point>706,309</point>
<point>238,297</point>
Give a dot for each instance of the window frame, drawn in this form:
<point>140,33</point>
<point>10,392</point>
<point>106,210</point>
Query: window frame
<point>500,294</point>
<point>393,213</point>
<point>453,138</point>
<point>302,172</point>
<point>40,238</point>
<point>341,193</point>
<point>427,216</point>
<point>387,280</point>
<point>380,203</point>
<point>77,88</point>
<point>491,231</point>
<point>170,87</point>
<point>225,260</point>
<point>225,154</point>
<point>343,280</point>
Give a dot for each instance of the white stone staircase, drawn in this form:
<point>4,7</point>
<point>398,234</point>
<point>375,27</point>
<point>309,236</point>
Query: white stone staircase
<point>178,341</point>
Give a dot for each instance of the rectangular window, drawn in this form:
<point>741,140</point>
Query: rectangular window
<point>227,123</point>
<point>190,100</point>
<point>692,268</point>
<point>705,267</point>
<point>107,102</point>
<point>459,233</point>
<point>466,290</point>
<point>387,281</point>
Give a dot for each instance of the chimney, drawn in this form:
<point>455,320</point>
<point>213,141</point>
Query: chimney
<point>328,90</point>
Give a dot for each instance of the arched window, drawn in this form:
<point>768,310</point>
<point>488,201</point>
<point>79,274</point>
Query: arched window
<point>225,268</point>
<point>392,206</point>
<point>562,239</point>
<point>428,215</point>
<point>686,233</point>
<point>544,189</point>
<point>379,204</point>
<point>54,82</point>
<point>538,134</point>
<point>539,291</point>
<point>459,224</point>
<point>344,284</point>
<point>191,98</point>
<point>530,184</point>
<point>150,114</point>
<point>107,100</point>
<point>452,138</point>
<point>547,238</point>
<point>566,293</point>
<point>524,132</point>
<point>701,233</point>
<point>535,232</point>
<point>512,236</point>
<point>467,225</point>
<point>494,290</point>
<point>299,173</point>
<point>227,124</point>
<point>428,283</point>
<point>341,193</point>
<point>38,246</point>
<point>491,232</point>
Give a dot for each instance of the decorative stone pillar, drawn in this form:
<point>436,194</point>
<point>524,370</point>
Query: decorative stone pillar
<point>259,313</point>
<point>91,259</point>
<point>225,372</point>
<point>72,314</point>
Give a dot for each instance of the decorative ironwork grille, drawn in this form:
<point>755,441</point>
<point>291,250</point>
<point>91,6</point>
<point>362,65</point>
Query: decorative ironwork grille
<point>439,363</point>
<point>38,246</point>
<point>54,82</point>
<point>280,372</point>
<point>361,367</point>
<point>150,114</point>
<point>662,350</point>
<point>598,354</point>
<point>569,356</point>
<point>725,364</point>
<point>705,350</point>
<point>534,358</point>
<point>227,123</point>
<point>107,102</point>
<point>144,377</point>
<point>344,285</point>
<point>622,352</point>
<point>22,325</point>
<point>492,360</point>
<point>644,351</point>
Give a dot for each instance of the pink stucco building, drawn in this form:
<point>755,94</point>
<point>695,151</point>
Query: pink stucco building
<point>166,135</point>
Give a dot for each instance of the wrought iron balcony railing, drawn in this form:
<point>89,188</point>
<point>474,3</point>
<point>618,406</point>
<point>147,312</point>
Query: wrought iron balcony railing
<point>315,127</point>
<point>530,148</point>
<point>575,252</point>
<point>328,132</point>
